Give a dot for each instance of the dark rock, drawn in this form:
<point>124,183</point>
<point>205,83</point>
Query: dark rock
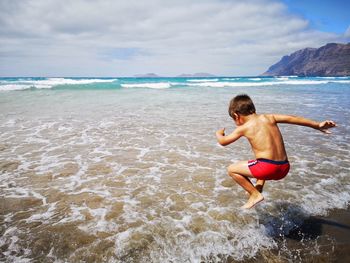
<point>329,60</point>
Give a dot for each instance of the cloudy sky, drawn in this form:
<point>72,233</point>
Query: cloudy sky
<point>167,37</point>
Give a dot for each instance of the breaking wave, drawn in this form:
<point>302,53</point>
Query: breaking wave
<point>156,85</point>
<point>7,84</point>
<point>47,83</point>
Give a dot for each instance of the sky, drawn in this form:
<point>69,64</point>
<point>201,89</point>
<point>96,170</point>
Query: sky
<point>111,38</point>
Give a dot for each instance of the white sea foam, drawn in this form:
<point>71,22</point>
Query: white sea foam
<point>176,241</point>
<point>22,84</point>
<point>265,83</point>
<point>74,216</point>
<point>42,217</point>
<point>10,87</point>
<point>202,80</point>
<point>48,83</point>
<point>326,198</point>
<point>230,79</point>
<point>232,84</point>
<point>282,78</point>
<point>52,82</point>
<point>157,85</point>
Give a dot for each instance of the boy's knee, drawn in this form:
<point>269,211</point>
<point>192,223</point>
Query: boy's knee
<point>231,169</point>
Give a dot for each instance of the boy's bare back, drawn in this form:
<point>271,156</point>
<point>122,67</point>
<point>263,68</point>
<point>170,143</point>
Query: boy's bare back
<point>264,136</point>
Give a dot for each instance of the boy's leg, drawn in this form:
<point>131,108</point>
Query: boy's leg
<point>240,173</point>
<point>260,185</point>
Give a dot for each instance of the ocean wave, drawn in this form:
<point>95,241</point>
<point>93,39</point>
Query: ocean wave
<point>22,84</point>
<point>282,78</point>
<point>291,76</point>
<point>9,87</point>
<point>202,80</point>
<point>232,84</point>
<point>266,83</point>
<point>231,79</point>
<point>47,83</point>
<point>154,85</point>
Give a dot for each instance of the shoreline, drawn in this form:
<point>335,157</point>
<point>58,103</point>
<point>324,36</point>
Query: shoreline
<point>318,239</point>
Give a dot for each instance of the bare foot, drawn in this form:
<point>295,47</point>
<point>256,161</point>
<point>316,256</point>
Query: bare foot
<point>254,199</point>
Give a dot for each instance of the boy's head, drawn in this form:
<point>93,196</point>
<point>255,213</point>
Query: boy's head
<point>241,105</point>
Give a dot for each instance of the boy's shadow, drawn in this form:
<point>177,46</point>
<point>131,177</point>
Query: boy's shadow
<point>293,222</point>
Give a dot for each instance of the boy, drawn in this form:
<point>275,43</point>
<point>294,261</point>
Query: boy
<point>266,140</point>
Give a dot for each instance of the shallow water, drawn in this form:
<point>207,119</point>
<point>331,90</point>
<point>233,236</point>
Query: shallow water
<point>134,174</point>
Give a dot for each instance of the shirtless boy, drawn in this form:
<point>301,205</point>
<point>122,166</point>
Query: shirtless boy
<point>264,136</point>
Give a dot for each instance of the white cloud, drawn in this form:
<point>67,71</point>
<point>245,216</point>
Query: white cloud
<point>108,38</point>
<point>347,33</point>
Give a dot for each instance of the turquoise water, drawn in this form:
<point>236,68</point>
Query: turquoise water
<point>10,84</point>
<point>129,170</point>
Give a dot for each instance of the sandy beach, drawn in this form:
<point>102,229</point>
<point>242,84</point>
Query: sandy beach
<point>130,170</point>
<point>319,239</point>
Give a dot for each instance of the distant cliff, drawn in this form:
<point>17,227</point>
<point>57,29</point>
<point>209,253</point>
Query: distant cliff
<point>148,75</point>
<point>329,60</point>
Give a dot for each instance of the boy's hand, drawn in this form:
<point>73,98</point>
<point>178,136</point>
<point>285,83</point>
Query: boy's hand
<point>221,132</point>
<point>325,125</point>
<point>230,138</point>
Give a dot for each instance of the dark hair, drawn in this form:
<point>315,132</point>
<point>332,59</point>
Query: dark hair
<point>241,104</point>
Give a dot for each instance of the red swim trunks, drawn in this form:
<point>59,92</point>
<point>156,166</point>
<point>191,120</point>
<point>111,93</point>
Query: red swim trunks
<point>265,169</point>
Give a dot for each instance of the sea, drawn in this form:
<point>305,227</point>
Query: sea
<point>129,169</point>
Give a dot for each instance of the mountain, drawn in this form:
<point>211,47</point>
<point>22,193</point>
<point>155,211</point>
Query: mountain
<point>196,75</point>
<point>148,75</point>
<point>330,60</point>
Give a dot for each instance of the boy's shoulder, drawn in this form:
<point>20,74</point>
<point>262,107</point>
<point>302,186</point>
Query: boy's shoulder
<point>267,117</point>
<point>262,120</point>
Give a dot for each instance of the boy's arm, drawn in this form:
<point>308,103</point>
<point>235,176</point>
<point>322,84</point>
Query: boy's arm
<point>227,139</point>
<point>321,126</point>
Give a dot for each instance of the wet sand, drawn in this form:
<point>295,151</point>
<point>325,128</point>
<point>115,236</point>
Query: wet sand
<point>341,233</point>
<point>332,233</point>
<point>317,239</point>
